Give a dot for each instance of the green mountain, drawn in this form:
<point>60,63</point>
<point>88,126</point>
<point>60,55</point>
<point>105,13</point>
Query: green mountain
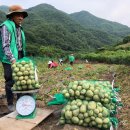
<point>56,28</point>
<point>2,16</point>
<point>88,20</point>
<point>4,8</point>
<point>47,26</point>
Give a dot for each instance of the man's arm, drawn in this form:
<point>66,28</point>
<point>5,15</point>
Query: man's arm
<point>6,44</point>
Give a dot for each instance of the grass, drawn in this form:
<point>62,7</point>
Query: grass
<point>59,78</point>
<point>55,79</point>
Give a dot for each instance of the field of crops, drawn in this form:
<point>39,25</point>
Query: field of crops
<point>54,80</point>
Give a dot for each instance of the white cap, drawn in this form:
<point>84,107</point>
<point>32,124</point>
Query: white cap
<point>49,62</point>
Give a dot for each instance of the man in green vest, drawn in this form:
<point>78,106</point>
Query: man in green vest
<point>12,46</point>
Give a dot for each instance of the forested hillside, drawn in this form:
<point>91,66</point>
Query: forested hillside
<point>88,20</point>
<point>58,29</point>
<point>49,29</point>
<point>4,8</point>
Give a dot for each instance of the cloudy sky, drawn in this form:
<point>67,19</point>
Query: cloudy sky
<point>113,10</point>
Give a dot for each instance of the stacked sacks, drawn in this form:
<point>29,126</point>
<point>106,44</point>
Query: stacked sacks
<point>86,113</point>
<point>97,93</point>
<point>24,75</point>
<point>87,90</point>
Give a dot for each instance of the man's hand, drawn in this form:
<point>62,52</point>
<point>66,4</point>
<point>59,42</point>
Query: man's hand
<point>13,61</point>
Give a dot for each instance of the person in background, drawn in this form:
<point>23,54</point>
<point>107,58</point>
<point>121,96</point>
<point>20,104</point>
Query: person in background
<point>49,64</point>
<point>71,59</point>
<point>86,61</point>
<point>61,61</point>
<point>12,46</point>
<point>52,64</point>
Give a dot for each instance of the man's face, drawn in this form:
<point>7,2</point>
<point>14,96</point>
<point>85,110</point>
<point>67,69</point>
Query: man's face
<point>18,18</point>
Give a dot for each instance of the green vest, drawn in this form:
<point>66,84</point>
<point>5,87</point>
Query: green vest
<point>71,58</point>
<point>13,43</point>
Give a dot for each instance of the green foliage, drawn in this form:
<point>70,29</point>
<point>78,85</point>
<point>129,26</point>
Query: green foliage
<point>48,26</point>
<point>88,20</point>
<point>2,17</point>
<point>126,39</point>
<point>45,51</point>
<point>112,57</point>
<point>125,46</point>
<point>4,8</point>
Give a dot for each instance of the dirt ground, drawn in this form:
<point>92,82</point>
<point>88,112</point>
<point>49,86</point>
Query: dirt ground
<point>52,82</point>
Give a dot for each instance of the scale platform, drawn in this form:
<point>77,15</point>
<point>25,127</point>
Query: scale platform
<point>9,122</point>
<point>28,91</point>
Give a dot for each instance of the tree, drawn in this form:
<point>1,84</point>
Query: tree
<point>126,39</point>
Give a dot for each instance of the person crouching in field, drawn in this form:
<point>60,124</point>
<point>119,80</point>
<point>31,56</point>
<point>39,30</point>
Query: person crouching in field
<point>52,64</point>
<point>61,61</point>
<point>71,59</point>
